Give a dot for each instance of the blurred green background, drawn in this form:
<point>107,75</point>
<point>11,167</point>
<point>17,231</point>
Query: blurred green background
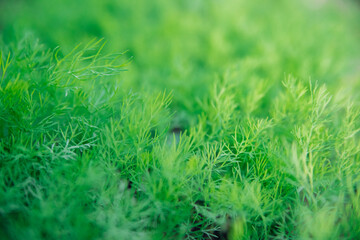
<point>182,46</point>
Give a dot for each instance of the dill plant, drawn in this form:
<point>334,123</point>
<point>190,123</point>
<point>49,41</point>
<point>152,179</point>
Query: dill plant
<point>80,159</point>
<point>204,138</point>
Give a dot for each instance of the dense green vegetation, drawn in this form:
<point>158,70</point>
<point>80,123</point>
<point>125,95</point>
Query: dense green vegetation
<point>192,119</point>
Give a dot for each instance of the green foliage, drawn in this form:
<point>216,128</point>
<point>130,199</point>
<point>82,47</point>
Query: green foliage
<point>213,129</point>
